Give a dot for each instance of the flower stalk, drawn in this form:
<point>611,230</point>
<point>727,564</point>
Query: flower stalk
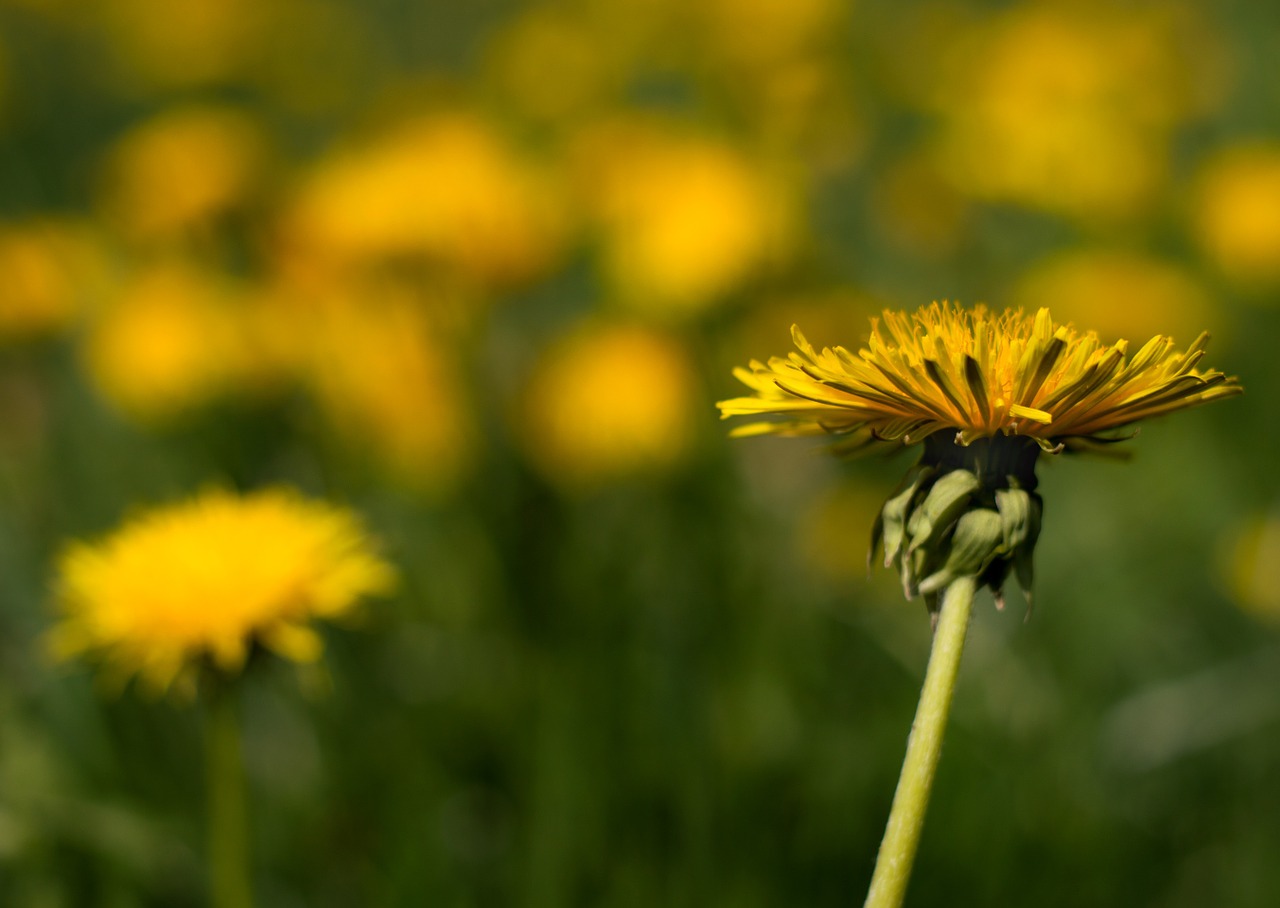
<point>986,395</point>
<point>924,747</point>
<point>228,832</point>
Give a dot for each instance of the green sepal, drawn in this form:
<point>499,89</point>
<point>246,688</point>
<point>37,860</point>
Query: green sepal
<point>1023,556</point>
<point>891,522</point>
<point>944,503</point>
<point>1014,506</point>
<point>914,563</point>
<point>976,541</point>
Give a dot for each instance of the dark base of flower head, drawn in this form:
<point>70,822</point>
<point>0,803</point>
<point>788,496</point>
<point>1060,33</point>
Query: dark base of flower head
<point>963,511</point>
<point>997,461</point>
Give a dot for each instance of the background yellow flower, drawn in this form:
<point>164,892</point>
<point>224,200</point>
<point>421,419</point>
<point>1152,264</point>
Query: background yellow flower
<point>202,582</point>
<point>1236,212</point>
<point>180,170</point>
<point>607,402</point>
<point>170,338</point>
<point>52,270</point>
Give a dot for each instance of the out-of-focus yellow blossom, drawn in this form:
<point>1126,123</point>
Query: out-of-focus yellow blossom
<point>388,385</point>
<point>766,33</point>
<point>780,63</point>
<point>180,169</point>
<point>606,402</point>
<point>203,582</point>
<point>551,66</point>
<point>47,268</point>
<point>1070,107</point>
<point>1251,566</point>
<point>1121,294</point>
<point>1236,215</point>
<point>187,44</point>
<point>171,339</point>
<point>684,220</point>
<point>302,55</point>
<point>447,187</point>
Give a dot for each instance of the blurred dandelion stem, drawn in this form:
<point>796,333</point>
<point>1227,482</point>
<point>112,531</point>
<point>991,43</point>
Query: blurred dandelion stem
<point>228,842</point>
<point>924,746</point>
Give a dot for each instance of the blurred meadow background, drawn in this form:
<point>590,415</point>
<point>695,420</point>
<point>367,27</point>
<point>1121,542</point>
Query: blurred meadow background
<point>479,271</point>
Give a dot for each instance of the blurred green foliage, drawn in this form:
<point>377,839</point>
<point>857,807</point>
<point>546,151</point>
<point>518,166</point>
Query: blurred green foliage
<point>480,270</point>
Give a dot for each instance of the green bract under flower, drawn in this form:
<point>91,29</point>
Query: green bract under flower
<point>963,512</point>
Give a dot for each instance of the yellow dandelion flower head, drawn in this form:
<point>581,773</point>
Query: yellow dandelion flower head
<point>684,220</point>
<point>170,338</point>
<point>1068,106</point>
<point>388,382</point>
<point>204,581</point>
<point>205,42</point>
<point>180,169</point>
<point>609,401</point>
<point>976,374</point>
<point>1236,213</point>
<point>550,64</point>
<point>450,187</point>
<point>51,266</point>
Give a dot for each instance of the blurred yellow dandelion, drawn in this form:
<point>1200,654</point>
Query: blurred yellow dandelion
<point>1236,213</point>
<point>606,402</point>
<point>180,169</point>
<point>171,339</point>
<point>447,187</point>
<point>189,44</point>
<point>767,33</point>
<point>50,268</point>
<point>551,65</point>
<point>1250,564</point>
<point>204,581</point>
<point>975,374</point>
<point>388,385</point>
<point>684,220</point>
<point>1070,107</point>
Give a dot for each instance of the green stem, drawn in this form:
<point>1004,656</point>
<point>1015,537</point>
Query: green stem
<point>924,746</point>
<point>228,842</point>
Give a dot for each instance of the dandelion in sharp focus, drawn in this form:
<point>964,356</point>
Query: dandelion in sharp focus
<point>977,374</point>
<point>985,394</point>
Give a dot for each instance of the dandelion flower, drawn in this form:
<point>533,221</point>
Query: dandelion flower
<point>1069,107</point>
<point>387,383</point>
<point>1236,213</point>
<point>448,188</point>
<point>171,339</point>
<point>978,374</point>
<point>50,267</point>
<point>986,394</point>
<point>182,170</point>
<point>203,582</point>
<point>609,401</point>
<point>684,221</point>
